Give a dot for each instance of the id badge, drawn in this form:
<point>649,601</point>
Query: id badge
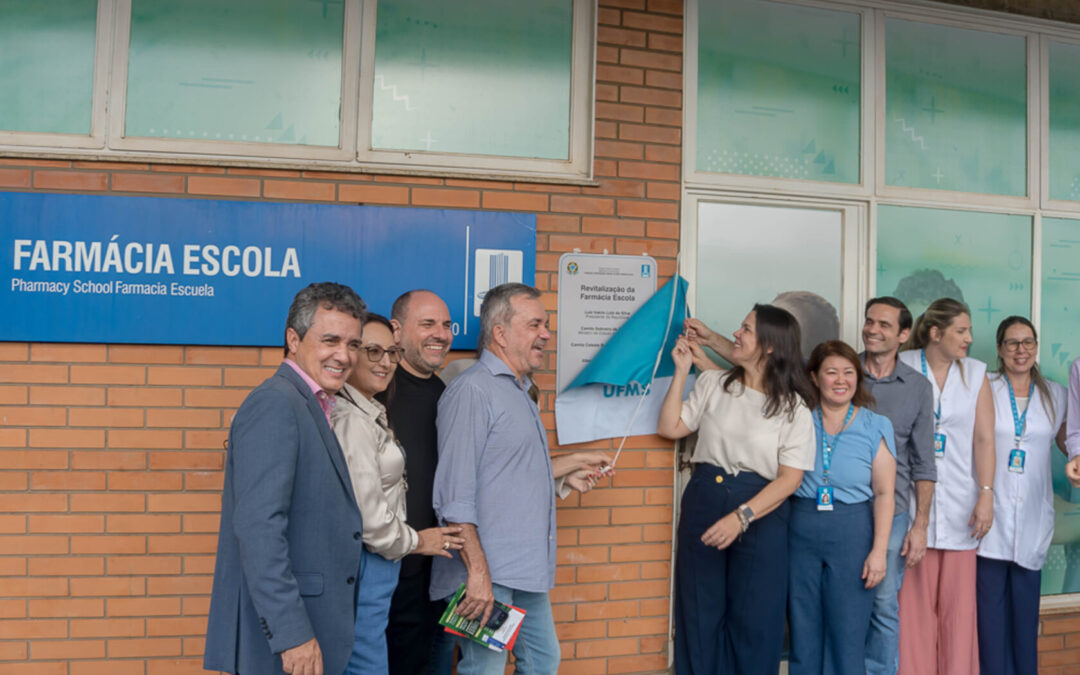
<point>939,445</point>
<point>824,498</point>
<point>1017,457</point>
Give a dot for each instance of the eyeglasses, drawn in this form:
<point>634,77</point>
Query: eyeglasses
<point>375,353</point>
<point>1027,343</point>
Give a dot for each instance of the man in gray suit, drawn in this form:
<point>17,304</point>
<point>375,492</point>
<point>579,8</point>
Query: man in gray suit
<point>290,552</point>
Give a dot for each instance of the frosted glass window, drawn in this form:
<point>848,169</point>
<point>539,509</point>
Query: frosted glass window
<point>47,65</point>
<point>266,71</point>
<point>788,257</point>
<point>486,77</point>
<point>1064,129</point>
<point>955,109</point>
<point>778,91</point>
<point>1059,345</point>
<point>981,259</point>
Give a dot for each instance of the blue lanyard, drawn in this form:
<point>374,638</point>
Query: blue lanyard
<point>828,444</point>
<point>1019,421</point>
<point>937,413</point>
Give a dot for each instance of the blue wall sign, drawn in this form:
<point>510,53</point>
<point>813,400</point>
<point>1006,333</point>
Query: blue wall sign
<point>91,268</point>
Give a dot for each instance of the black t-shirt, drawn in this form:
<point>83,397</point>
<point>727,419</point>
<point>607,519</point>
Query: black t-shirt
<point>412,415</point>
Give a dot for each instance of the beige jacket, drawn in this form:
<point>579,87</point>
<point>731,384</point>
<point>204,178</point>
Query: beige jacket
<point>377,467</point>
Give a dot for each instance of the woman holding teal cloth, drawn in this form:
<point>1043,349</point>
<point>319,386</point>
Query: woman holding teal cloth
<point>840,520</point>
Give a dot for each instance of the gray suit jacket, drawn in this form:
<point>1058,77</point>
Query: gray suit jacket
<point>289,547</point>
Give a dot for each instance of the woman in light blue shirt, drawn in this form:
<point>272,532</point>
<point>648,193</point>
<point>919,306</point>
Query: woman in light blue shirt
<point>840,520</point>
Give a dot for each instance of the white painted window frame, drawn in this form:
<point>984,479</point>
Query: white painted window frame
<point>107,140</point>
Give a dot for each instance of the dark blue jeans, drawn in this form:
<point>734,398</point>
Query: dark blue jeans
<point>1008,615</point>
<point>828,604</point>
<point>729,605</point>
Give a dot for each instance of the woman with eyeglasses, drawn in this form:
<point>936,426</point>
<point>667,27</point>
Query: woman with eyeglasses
<point>376,464</point>
<point>1030,415</point>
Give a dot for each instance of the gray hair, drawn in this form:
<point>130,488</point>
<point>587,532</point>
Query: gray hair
<point>327,295</point>
<point>496,309</point>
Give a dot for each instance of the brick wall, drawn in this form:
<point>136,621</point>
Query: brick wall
<point>111,456</point>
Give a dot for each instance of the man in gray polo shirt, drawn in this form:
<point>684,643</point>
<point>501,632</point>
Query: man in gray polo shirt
<point>905,397</point>
<point>495,479</point>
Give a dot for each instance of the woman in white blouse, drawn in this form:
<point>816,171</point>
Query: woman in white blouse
<point>937,599</point>
<point>1030,416</point>
<point>377,468</point>
<point>755,439</point>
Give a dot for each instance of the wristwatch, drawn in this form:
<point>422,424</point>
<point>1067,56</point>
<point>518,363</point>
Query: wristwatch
<point>745,514</point>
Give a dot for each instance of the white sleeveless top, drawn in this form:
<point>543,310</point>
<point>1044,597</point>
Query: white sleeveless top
<point>957,489</point>
<point>1023,502</point>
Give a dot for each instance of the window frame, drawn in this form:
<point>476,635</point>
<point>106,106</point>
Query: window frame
<point>108,142</point>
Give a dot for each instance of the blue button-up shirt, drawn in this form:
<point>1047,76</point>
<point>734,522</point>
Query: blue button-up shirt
<point>495,472</point>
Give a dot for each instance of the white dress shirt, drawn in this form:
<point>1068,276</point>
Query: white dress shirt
<point>957,490</point>
<point>1023,502</point>
<point>735,435</point>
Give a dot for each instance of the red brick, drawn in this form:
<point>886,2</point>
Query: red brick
<point>660,210</point>
<point>640,552</point>
<point>145,397</point>
<point>549,223</point>
<point>108,374</point>
<point>187,460</point>
<point>107,544</point>
<point>145,480</point>
<point>650,134</point>
<point>665,117</point>
<point>183,503</point>
<point>12,481</point>
<point>153,564</point>
<point>615,187</point>
<point>649,59</point>
<point>13,395</point>
<point>31,503</point>
<point>664,80</point>
<point>78,524</point>
<point>582,555</point>
<point>36,459</point>
<point>589,574</point>
<point>204,480</point>
<point>619,150</point>
<point>226,187</point>
<point>17,161</point>
<point>298,190</point>
<point>641,514</point>
<point>184,585</point>
<point>186,375</point>
<point>657,248</point>
<point>226,356</point>
<point>182,418</point>
<point>67,607</point>
<point>12,438</point>
<point>182,543</point>
<point>176,626</point>
<point>653,23</point>
<point>67,480</point>
<point>36,667</point>
<point>67,649</point>
<point>608,647</point>
<point>33,374</point>
<point>619,74</point>
<point>108,586</point>
<point>105,417</point>
<point>26,587</point>
<point>205,440</point>
<point>606,129</point>
<point>67,395</point>
<point>648,171</point>
<point>607,92</point>
<point>173,666</point>
<point>665,43</point>
<point>247,377</point>
<point>594,206</point>
<point>65,566</point>
<point>650,96</point>
<point>12,651</point>
<point>23,544</point>
<point>146,354</point>
<point>467,199</point>
<point>515,201</point>
<point>106,503</point>
<point>606,16</point>
<point>104,459</point>
<point>613,226</point>
<point>627,590</point>
<point>669,191</point>
<point>32,416</point>
<point>141,182</point>
<point>15,178</point>
<point>112,667</point>
<point>666,7</point>
<point>140,523</point>
<point>71,180</point>
<point>67,353</point>
<point>373,194</point>
<point>587,244</point>
<point>620,36</point>
<point>214,398</point>
<point>620,112</point>
<point>10,524</point>
<point>144,438</point>
<point>82,628</point>
<point>141,647</point>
